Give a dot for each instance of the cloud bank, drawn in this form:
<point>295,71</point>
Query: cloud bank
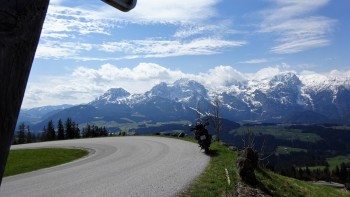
<point>84,84</point>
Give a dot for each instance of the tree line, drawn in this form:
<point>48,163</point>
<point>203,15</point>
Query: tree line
<point>340,174</point>
<point>64,130</point>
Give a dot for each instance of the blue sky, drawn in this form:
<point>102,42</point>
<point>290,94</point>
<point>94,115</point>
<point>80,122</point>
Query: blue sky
<point>87,47</point>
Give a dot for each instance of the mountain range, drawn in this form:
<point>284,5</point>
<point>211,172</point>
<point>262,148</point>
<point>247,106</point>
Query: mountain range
<point>284,98</point>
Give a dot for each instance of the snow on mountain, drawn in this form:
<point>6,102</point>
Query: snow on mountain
<point>265,99</point>
<point>113,95</point>
<point>285,97</point>
<point>183,90</point>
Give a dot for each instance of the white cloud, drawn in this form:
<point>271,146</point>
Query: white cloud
<point>56,2</point>
<point>287,9</point>
<point>70,21</point>
<point>296,27</point>
<point>283,66</point>
<point>172,11</point>
<point>85,84</point>
<point>266,73</point>
<point>170,48</point>
<point>100,19</point>
<point>220,76</point>
<point>326,79</point>
<point>134,49</point>
<point>255,61</point>
<point>67,25</point>
<point>306,66</point>
<point>218,29</point>
<point>142,72</point>
<point>61,50</point>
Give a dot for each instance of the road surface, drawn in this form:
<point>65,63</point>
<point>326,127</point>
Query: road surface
<point>116,166</point>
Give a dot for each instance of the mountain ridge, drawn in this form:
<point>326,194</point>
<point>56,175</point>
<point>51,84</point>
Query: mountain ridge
<point>279,99</point>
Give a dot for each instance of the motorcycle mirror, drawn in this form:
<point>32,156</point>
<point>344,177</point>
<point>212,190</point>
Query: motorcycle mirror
<point>122,5</point>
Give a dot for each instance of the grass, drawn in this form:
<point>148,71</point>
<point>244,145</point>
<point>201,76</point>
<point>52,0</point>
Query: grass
<point>27,160</point>
<point>277,185</point>
<point>213,181</point>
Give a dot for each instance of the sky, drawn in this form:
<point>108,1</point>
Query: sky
<point>87,47</point>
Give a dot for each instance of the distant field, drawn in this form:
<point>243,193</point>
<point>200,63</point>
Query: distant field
<point>27,160</point>
<point>341,127</point>
<point>130,125</point>
<point>283,150</point>
<point>280,132</point>
<point>333,162</point>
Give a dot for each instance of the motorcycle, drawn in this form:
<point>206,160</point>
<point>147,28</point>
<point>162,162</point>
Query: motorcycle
<point>202,136</point>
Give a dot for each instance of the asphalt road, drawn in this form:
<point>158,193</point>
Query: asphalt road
<point>116,166</point>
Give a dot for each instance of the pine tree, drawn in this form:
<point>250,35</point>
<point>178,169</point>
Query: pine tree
<point>69,129</point>
<point>76,130</point>
<point>43,135</point>
<point>94,131</point>
<point>51,134</point>
<point>60,130</point>
<point>21,134</point>
<point>83,133</point>
<point>30,138</point>
<point>343,172</point>
<point>307,173</point>
<point>337,172</point>
<point>326,173</point>
<point>104,131</point>
<point>293,172</point>
<point>88,131</point>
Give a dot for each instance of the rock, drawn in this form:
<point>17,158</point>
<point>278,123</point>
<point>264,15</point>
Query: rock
<point>244,190</point>
<point>247,162</point>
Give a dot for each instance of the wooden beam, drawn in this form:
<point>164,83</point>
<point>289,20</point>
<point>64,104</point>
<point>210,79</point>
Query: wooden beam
<point>21,23</point>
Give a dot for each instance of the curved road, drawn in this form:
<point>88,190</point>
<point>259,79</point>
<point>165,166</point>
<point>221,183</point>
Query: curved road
<point>116,166</point>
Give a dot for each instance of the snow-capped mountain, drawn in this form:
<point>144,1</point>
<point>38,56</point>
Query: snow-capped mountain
<point>183,91</point>
<point>287,95</point>
<point>284,98</point>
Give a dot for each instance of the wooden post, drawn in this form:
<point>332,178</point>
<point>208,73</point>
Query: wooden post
<point>21,22</point>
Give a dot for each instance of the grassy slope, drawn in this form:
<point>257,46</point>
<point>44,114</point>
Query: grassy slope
<point>27,160</point>
<point>213,181</point>
<point>278,185</point>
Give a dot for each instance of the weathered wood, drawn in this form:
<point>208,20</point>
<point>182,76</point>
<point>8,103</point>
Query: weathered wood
<point>20,27</point>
